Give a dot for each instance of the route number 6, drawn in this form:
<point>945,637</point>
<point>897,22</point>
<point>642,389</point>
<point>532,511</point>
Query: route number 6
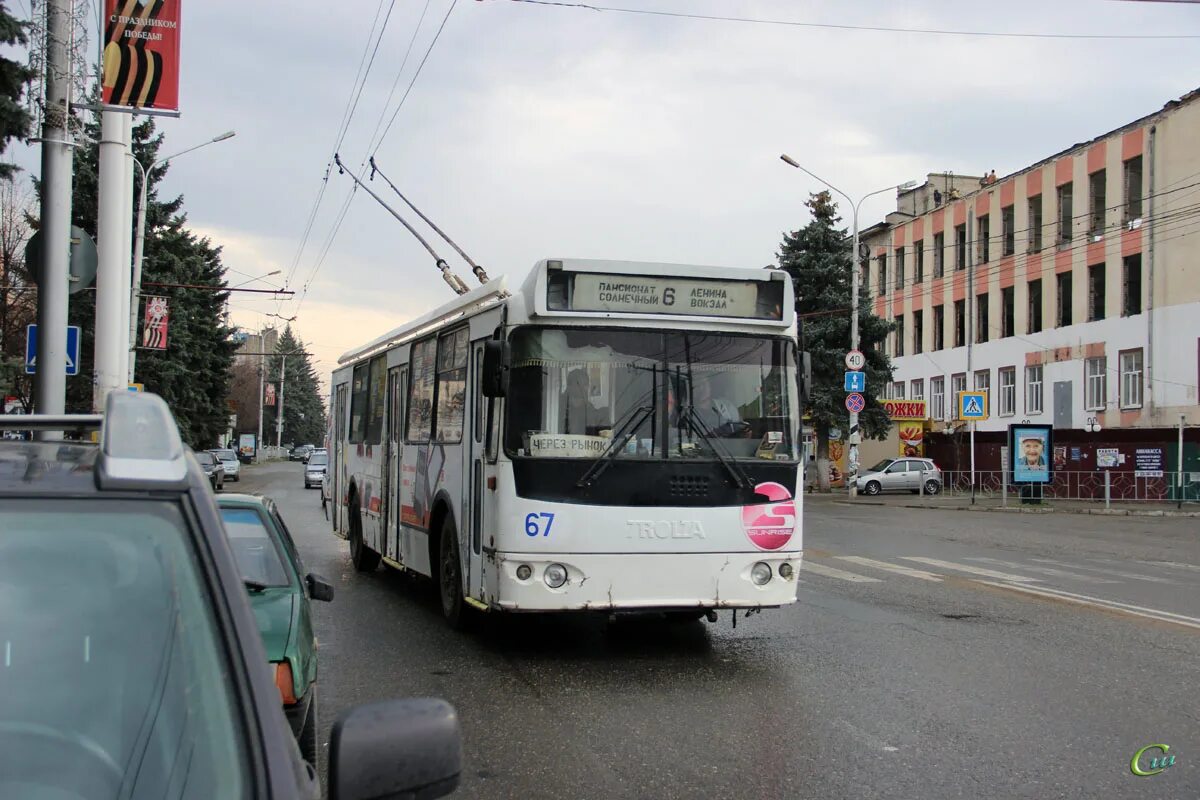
<point>534,524</point>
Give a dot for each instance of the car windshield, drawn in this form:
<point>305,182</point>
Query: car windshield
<point>881,466</point>
<point>206,459</point>
<point>114,679</point>
<point>225,455</point>
<point>318,460</point>
<point>253,547</point>
<point>575,391</point>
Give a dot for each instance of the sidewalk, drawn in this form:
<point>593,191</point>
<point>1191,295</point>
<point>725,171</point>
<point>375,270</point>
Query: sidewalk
<point>945,502</point>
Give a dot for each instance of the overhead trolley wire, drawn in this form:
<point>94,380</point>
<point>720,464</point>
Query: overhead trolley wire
<point>849,27</point>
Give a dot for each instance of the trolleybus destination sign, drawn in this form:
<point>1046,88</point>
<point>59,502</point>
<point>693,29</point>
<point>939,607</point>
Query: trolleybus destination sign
<point>665,295</point>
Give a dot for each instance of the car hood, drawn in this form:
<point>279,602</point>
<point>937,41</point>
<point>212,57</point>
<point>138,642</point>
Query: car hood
<point>274,612</point>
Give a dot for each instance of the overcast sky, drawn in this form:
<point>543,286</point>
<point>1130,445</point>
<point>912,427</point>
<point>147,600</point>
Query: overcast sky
<point>537,131</point>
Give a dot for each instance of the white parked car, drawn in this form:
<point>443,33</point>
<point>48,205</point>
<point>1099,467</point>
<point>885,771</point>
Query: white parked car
<point>901,475</point>
<point>314,469</point>
<point>230,461</point>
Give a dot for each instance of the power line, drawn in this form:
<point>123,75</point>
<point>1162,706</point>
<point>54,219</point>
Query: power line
<point>416,75</point>
<point>399,74</point>
<point>847,27</point>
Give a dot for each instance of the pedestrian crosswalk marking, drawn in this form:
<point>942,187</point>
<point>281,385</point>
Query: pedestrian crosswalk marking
<point>1098,602</point>
<point>834,572</point>
<point>1057,573</point>
<point>1119,573</point>
<point>987,573</point>
<point>889,567</point>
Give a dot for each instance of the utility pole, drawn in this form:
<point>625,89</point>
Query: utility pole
<point>113,270</point>
<point>57,165</point>
<point>971,311</point>
<point>262,387</point>
<point>279,416</point>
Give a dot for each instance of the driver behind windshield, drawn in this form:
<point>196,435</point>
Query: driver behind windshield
<point>715,410</point>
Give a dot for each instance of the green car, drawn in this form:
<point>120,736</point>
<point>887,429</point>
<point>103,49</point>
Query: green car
<point>280,591</point>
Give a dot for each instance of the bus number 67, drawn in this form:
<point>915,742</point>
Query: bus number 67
<point>534,525</point>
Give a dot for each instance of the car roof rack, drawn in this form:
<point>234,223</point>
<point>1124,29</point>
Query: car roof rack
<point>140,446</point>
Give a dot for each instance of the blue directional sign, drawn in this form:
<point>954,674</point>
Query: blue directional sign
<point>72,349</point>
<point>973,405</point>
<point>856,382</point>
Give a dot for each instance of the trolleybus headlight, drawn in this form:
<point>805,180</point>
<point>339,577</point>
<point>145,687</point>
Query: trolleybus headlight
<point>555,575</point>
<point>785,570</point>
<point>760,573</point>
<point>524,571</point>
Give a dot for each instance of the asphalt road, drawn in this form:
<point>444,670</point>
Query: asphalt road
<point>932,654</point>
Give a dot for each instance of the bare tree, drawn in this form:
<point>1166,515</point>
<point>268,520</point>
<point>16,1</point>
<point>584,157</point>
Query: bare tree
<point>243,393</point>
<point>18,294</point>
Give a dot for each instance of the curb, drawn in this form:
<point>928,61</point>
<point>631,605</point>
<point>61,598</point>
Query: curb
<point>1106,512</point>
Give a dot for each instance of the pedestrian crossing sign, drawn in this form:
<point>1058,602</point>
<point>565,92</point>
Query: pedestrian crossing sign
<point>972,406</point>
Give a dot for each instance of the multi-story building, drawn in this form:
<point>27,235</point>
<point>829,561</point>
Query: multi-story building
<point>1069,290</point>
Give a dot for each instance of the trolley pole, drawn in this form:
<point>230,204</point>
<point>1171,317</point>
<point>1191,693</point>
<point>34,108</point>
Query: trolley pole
<point>51,382</point>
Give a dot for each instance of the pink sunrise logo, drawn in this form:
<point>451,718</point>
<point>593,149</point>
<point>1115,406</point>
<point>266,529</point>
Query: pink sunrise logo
<point>770,526</point>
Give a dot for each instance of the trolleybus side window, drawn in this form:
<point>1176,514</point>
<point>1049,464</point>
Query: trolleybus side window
<point>358,404</point>
<point>452,385</point>
<point>376,399</point>
<point>421,379</point>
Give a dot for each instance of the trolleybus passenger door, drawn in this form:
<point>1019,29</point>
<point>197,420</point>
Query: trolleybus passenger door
<point>474,491</point>
<point>337,459</point>
<point>391,463</point>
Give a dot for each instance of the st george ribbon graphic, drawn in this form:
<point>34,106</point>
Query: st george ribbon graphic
<point>141,54</point>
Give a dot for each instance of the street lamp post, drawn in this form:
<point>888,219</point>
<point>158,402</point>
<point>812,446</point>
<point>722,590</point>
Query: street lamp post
<point>855,436</point>
<point>135,291</point>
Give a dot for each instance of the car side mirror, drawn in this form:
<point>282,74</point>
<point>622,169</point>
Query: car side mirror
<point>318,587</point>
<point>496,355</point>
<point>395,749</point>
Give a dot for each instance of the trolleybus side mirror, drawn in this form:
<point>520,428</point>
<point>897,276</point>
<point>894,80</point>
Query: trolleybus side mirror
<point>495,368</point>
<point>805,377</point>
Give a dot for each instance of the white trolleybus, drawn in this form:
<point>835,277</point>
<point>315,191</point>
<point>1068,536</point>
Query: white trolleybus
<point>615,436</point>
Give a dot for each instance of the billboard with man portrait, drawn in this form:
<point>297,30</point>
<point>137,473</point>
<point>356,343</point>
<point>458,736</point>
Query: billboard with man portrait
<point>1032,449</point>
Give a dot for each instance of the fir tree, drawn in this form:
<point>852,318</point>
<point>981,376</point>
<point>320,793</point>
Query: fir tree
<point>14,77</point>
<point>818,258</point>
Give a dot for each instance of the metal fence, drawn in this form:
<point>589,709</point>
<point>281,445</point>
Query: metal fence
<point>1102,485</point>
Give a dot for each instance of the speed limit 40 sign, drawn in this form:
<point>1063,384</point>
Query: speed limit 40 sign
<point>855,360</point>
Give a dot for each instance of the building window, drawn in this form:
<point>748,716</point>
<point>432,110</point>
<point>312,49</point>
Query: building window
<point>1095,383</point>
<point>1033,319</point>
<point>958,384</point>
<point>1131,296</point>
<point>882,262</point>
<point>1131,378</point>
<point>898,390</point>
<point>1066,212</point>
<point>1035,224</point>
<point>918,331</point>
<point>981,318</point>
<point>1095,292</point>
<point>1064,299</point>
<point>918,390</point>
<point>1008,224</point>
<point>937,396</point>
<point>899,335</point>
<point>985,236</point>
<point>918,260</point>
<point>939,246</point>
<point>960,247</point>
<point>939,327</point>
<point>960,323</point>
<point>1008,316</point>
<point>983,383</point>
<point>1033,389</point>
<point>1008,391</point>
<point>1096,199</point>
<point>1133,188</point>
<point>899,267</point>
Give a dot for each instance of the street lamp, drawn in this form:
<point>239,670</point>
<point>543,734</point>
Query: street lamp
<point>135,291</point>
<point>855,436</point>
<point>1092,425</point>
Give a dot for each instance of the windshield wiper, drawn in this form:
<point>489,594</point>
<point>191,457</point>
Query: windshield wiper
<point>254,586</point>
<point>739,475</point>
<point>621,437</point>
